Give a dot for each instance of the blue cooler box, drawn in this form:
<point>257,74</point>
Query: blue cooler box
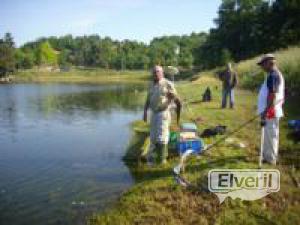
<point>194,144</point>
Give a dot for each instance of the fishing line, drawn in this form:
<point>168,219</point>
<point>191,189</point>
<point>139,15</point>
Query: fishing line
<point>176,171</point>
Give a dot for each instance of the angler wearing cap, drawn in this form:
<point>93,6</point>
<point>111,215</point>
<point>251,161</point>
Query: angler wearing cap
<point>161,94</point>
<point>270,101</point>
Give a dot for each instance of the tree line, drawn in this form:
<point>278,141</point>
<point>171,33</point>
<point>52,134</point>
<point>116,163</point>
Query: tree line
<point>246,28</point>
<point>243,28</point>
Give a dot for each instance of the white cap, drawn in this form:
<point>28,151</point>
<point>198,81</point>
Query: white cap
<point>265,58</point>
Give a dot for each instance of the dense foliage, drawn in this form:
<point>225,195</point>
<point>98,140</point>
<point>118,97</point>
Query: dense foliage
<point>7,51</point>
<point>244,28</point>
<point>94,51</point>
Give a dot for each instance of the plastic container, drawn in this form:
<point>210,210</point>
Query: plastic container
<point>173,140</point>
<point>294,124</point>
<point>188,127</point>
<point>194,144</point>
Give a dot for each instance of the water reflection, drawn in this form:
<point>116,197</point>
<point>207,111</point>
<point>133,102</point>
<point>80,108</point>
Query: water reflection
<point>116,98</point>
<point>61,148</point>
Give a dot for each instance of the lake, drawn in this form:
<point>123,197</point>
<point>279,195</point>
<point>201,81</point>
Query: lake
<point>61,148</point>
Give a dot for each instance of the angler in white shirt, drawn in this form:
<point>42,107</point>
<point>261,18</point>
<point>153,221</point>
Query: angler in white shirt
<point>270,101</point>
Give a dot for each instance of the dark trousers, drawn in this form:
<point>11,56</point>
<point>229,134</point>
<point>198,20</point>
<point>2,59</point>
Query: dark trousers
<point>227,92</point>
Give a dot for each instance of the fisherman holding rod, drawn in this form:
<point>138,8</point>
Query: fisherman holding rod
<point>161,95</point>
<point>270,101</point>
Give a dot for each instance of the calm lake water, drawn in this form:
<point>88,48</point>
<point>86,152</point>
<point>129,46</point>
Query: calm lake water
<point>60,150</point>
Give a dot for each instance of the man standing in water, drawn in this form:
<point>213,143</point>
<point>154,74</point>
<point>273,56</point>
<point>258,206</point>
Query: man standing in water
<point>229,79</point>
<point>270,101</point>
<point>161,95</point>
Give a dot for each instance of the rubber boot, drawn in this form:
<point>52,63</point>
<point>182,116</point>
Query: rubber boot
<point>151,155</point>
<point>162,150</point>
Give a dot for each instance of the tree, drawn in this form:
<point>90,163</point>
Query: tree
<point>245,28</point>
<point>46,55</point>
<point>24,59</point>
<point>93,51</point>
<point>7,54</point>
<point>225,57</point>
<point>186,59</point>
<point>8,39</point>
<point>63,58</point>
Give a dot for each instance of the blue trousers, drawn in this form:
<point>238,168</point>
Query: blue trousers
<point>227,92</point>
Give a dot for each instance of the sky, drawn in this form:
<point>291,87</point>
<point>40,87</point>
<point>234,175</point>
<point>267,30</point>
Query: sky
<point>139,20</point>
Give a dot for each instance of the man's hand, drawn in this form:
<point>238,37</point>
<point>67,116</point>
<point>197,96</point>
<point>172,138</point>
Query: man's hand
<point>170,96</point>
<point>264,114</point>
<point>263,118</point>
<point>262,122</point>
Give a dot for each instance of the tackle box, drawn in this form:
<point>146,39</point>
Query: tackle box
<point>191,127</point>
<point>194,144</point>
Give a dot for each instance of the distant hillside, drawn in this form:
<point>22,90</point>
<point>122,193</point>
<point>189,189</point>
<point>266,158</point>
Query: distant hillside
<point>251,76</point>
<point>288,61</point>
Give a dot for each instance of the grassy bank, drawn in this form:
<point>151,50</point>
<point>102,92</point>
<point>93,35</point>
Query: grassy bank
<point>251,76</point>
<point>76,75</point>
<point>288,61</point>
<point>157,199</point>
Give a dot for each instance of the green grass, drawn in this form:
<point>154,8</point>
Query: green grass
<point>251,75</point>
<point>157,199</point>
<point>288,62</point>
<point>76,75</point>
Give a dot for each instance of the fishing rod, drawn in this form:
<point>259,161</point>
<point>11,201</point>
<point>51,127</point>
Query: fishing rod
<point>180,179</point>
<point>184,182</point>
<point>232,132</point>
<point>237,129</point>
<point>177,170</point>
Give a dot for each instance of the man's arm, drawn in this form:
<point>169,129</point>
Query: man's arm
<point>221,76</point>
<point>273,84</point>
<point>172,96</point>
<point>270,104</point>
<point>235,80</point>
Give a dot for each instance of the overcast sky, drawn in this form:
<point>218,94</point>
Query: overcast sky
<point>140,20</point>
